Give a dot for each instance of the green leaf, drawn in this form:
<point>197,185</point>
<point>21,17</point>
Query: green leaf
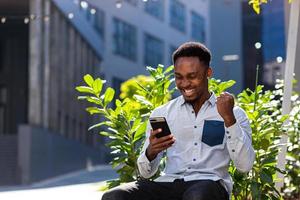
<point>255,190</point>
<point>269,160</point>
<point>265,143</point>
<point>136,123</point>
<point>95,110</point>
<point>169,69</point>
<point>85,89</point>
<point>143,100</point>
<point>109,134</point>
<point>82,97</point>
<point>140,132</point>
<point>94,100</point>
<point>266,176</point>
<point>97,125</point>
<point>97,86</point>
<point>108,95</point>
<point>89,80</point>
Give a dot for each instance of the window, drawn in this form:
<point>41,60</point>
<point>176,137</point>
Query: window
<point>177,15</point>
<point>153,53</point>
<point>155,8</point>
<point>124,39</point>
<point>198,27</point>
<point>99,22</point>
<point>132,2</point>
<point>84,8</point>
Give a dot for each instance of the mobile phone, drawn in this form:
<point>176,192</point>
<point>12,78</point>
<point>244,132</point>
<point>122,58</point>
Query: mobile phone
<point>160,122</point>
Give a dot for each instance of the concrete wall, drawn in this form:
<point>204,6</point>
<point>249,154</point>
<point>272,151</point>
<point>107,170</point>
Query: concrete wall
<point>43,154</point>
<point>8,160</point>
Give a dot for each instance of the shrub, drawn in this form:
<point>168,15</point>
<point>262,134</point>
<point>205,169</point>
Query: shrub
<point>126,126</point>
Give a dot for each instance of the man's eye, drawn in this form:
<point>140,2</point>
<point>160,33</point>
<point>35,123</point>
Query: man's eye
<point>192,76</point>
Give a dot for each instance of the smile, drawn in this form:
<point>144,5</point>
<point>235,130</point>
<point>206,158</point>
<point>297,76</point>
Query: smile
<point>189,92</point>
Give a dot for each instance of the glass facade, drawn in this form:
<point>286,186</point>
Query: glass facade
<point>178,15</point>
<point>154,51</point>
<point>132,2</point>
<point>197,27</point>
<point>273,36</point>
<point>99,22</point>
<point>155,8</point>
<point>124,39</point>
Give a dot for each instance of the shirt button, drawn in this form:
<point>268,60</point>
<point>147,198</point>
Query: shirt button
<point>229,137</point>
<point>195,143</point>
<point>195,126</point>
<point>193,111</point>
<point>189,167</point>
<point>233,150</point>
<point>194,159</point>
<point>227,132</point>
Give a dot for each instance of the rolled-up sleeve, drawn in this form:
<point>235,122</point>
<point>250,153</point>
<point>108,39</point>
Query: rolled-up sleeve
<point>239,142</point>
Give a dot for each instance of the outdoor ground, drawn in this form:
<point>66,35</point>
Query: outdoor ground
<point>79,185</point>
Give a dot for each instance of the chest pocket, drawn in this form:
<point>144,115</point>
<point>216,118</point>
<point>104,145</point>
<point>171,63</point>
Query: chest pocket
<point>213,132</point>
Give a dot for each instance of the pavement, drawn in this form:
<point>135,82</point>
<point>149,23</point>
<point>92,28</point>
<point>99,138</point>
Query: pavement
<point>83,184</point>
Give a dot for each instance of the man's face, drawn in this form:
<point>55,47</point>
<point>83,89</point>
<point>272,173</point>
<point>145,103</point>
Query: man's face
<point>191,78</point>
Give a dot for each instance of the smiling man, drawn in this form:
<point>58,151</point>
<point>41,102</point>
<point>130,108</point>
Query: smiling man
<point>206,133</point>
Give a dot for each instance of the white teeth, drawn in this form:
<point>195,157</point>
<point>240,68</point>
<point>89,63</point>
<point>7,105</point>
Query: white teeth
<point>189,91</point>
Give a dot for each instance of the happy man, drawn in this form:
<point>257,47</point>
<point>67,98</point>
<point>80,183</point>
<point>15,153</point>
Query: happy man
<point>206,133</point>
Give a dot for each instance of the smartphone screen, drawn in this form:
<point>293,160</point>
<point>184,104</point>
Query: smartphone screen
<point>160,122</point>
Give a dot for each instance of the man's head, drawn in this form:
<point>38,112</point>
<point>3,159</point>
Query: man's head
<point>191,61</point>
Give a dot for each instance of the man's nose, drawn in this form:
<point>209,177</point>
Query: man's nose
<point>185,83</point>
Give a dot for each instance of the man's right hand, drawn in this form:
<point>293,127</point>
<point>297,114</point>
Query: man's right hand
<point>157,145</point>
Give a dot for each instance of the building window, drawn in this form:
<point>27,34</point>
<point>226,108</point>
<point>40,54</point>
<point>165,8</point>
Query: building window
<point>198,27</point>
<point>132,2</point>
<point>177,15</point>
<point>124,39</point>
<point>154,51</point>
<point>99,22</point>
<point>155,8</point>
<point>84,8</point>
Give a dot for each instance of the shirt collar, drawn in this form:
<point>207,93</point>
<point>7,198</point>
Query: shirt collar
<point>212,99</point>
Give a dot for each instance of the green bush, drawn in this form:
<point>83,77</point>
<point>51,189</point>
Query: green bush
<point>126,126</point>
<point>126,123</point>
<point>263,110</point>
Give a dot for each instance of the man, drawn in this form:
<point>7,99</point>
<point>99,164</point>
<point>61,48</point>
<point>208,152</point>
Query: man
<point>207,132</point>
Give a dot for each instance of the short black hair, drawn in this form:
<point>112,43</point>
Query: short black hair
<point>193,49</point>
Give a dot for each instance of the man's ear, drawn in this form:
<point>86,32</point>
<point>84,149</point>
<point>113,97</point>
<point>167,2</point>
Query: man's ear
<point>209,72</point>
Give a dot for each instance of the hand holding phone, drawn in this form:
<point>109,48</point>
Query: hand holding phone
<point>160,123</point>
<point>158,141</point>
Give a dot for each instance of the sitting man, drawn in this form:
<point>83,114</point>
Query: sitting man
<point>207,132</point>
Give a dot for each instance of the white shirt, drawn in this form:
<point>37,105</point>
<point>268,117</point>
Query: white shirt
<point>203,146</point>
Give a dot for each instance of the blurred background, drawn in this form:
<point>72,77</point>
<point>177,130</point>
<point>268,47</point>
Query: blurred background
<point>47,46</point>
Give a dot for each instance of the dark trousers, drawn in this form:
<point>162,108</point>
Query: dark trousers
<point>177,190</point>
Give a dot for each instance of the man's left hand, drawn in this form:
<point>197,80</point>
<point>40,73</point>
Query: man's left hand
<point>225,104</point>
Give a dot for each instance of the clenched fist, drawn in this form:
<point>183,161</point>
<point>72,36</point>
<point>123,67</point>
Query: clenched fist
<point>225,104</point>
